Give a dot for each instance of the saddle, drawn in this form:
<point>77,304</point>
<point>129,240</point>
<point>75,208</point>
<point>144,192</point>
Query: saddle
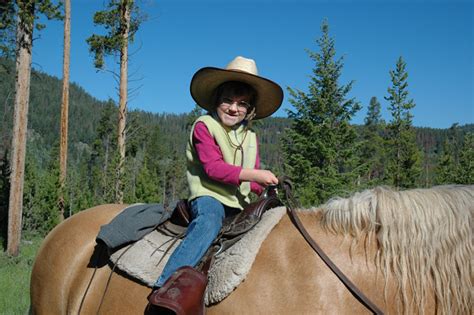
<point>233,227</point>
<point>183,292</point>
<point>180,218</point>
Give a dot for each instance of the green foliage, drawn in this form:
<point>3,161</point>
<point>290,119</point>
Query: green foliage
<point>446,168</point>
<point>404,157</point>
<point>456,163</point>
<point>372,151</point>
<point>104,158</point>
<point>465,170</point>
<point>373,121</point>
<point>320,147</point>
<point>193,115</point>
<point>146,187</point>
<point>404,168</point>
<point>28,11</point>
<point>7,29</point>
<point>112,20</point>
<point>48,9</point>
<point>449,159</point>
<point>270,132</point>
<point>15,274</point>
<point>40,195</point>
<point>7,13</point>
<point>400,105</point>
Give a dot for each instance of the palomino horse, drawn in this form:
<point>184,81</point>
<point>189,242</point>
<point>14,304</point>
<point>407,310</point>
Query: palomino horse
<point>409,252</point>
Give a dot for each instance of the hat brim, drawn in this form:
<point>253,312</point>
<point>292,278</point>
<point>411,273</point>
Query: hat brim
<point>206,80</point>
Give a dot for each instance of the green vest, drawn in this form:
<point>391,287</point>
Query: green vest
<point>200,184</point>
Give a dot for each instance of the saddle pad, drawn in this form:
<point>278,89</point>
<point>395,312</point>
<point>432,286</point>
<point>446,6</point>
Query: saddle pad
<point>144,260</point>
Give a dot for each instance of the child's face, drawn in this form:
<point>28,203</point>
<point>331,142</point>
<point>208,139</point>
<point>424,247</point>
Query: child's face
<point>232,108</point>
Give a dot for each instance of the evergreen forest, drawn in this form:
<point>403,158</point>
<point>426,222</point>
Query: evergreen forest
<point>155,169</point>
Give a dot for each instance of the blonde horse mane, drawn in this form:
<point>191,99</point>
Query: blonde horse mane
<point>424,240</point>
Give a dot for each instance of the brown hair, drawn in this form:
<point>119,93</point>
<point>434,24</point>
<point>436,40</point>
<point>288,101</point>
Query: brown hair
<point>236,88</point>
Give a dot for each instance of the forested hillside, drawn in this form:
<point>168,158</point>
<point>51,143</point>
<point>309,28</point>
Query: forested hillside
<point>155,150</point>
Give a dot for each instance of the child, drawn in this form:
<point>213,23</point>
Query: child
<point>222,153</point>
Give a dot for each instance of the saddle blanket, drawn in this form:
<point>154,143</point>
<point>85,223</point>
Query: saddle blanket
<point>145,259</point>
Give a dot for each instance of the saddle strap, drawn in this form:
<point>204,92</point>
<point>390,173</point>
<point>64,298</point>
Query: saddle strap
<point>346,281</point>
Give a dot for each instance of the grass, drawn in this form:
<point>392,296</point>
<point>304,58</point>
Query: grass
<point>15,275</point>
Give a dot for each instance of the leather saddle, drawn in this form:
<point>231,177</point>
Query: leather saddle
<point>233,227</point>
<point>180,218</point>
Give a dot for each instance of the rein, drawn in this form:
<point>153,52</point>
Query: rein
<point>291,203</point>
<point>93,276</point>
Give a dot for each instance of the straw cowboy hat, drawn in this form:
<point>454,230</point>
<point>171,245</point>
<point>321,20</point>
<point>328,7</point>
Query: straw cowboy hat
<point>206,80</point>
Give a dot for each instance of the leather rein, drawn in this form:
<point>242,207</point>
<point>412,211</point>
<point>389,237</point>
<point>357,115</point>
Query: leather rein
<point>291,203</point>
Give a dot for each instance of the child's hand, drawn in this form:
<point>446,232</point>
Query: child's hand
<point>263,177</point>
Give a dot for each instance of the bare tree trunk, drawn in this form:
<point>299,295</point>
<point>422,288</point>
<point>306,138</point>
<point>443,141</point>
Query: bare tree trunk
<point>20,124</point>
<point>64,109</point>
<point>122,119</point>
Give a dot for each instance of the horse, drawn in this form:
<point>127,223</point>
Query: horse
<point>407,251</point>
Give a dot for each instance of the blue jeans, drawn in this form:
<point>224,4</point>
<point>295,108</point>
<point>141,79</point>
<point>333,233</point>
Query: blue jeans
<point>207,217</point>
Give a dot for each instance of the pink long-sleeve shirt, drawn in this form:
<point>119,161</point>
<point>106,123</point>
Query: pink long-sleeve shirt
<point>212,160</point>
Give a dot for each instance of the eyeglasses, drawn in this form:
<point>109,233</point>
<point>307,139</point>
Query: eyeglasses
<point>242,106</point>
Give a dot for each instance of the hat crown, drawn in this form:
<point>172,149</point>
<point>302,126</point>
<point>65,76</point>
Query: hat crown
<point>243,64</point>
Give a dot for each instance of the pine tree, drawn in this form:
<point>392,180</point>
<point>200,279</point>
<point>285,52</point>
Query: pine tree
<point>404,160</point>
<point>7,29</point>
<point>103,160</point>
<point>446,169</point>
<point>320,147</point>
<point>372,149</point>
<point>147,186</point>
<point>157,157</point>
<point>27,11</point>
<point>193,115</point>
<point>176,173</point>
<point>41,188</point>
<point>374,119</point>
<point>465,170</point>
<point>80,192</point>
<point>122,19</point>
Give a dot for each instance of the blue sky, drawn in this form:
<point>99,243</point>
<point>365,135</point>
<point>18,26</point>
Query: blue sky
<point>435,38</point>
